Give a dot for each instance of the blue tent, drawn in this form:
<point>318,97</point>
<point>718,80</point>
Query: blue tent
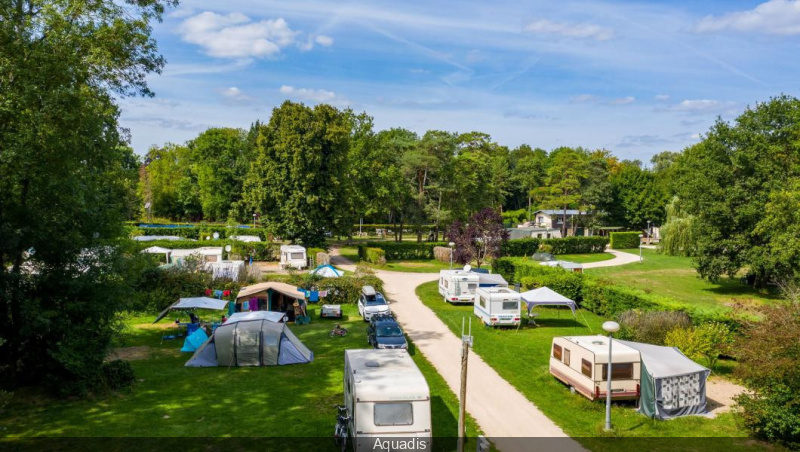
<point>194,340</point>
<point>327,271</point>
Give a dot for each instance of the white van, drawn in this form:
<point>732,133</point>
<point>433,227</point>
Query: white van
<point>293,256</point>
<point>458,286</point>
<point>582,363</point>
<point>498,306</point>
<point>386,397</point>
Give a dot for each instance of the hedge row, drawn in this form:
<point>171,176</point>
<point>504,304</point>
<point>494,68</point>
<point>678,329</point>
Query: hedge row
<point>203,231</point>
<point>566,245</point>
<point>625,240</point>
<point>600,296</point>
<point>261,251</point>
<point>401,250</point>
<point>375,256</point>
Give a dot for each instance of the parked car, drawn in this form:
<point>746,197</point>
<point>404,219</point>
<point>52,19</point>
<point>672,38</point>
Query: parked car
<point>371,302</point>
<point>384,332</point>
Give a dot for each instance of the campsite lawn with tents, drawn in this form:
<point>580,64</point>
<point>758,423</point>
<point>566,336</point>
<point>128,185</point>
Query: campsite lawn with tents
<point>521,357</point>
<point>169,399</point>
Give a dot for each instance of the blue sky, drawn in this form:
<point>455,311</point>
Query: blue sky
<point>632,77</point>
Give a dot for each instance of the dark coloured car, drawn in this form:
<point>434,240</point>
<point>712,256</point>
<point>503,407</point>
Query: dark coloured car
<point>384,332</point>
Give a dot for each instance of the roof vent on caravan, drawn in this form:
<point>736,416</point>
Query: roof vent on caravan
<point>372,364</point>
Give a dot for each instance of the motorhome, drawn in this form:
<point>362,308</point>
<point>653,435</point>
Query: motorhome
<point>293,256</point>
<point>582,363</point>
<point>386,397</point>
<point>498,306</point>
<point>458,286</point>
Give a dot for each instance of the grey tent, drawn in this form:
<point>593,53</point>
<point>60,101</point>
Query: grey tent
<point>194,303</point>
<point>544,296</point>
<point>672,385</point>
<point>251,343</point>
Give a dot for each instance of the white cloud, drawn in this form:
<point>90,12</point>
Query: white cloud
<point>580,98</point>
<point>778,17</point>
<point>697,105</point>
<point>623,101</point>
<point>581,31</point>
<point>313,95</point>
<point>236,36</point>
<point>323,40</point>
<point>236,96</point>
<point>661,97</point>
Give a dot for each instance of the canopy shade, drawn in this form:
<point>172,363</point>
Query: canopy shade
<point>286,289</point>
<point>544,296</point>
<point>194,303</point>
<point>156,250</point>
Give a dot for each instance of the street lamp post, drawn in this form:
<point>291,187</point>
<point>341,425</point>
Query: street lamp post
<point>611,328</point>
<point>451,245</point>
<point>640,247</point>
<point>254,220</point>
<point>649,233</point>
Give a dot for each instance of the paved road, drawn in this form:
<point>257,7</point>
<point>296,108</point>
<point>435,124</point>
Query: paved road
<point>620,258</point>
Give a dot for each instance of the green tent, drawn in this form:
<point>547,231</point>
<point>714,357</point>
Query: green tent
<point>672,385</point>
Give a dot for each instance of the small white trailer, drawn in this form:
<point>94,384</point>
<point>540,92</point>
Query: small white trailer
<point>458,286</point>
<point>582,363</point>
<point>498,306</point>
<point>293,256</point>
<point>387,398</point>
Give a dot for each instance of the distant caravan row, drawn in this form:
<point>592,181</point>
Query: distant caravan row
<point>494,303</point>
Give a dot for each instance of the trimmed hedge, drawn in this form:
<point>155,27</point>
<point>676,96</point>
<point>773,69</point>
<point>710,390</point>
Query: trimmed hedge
<point>181,244</point>
<point>261,251</point>
<point>375,256</point>
<point>603,297</point>
<point>625,240</point>
<point>566,245</point>
<point>401,250</point>
<point>198,231</point>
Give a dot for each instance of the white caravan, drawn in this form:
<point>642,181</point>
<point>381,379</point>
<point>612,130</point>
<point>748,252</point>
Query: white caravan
<point>582,363</point>
<point>387,398</point>
<point>293,256</point>
<point>458,286</point>
<point>498,306</point>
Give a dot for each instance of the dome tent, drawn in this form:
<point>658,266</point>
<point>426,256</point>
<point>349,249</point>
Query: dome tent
<point>251,343</point>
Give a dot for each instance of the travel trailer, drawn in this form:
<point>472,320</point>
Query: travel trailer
<point>293,256</point>
<point>205,254</point>
<point>497,306</point>
<point>386,397</point>
<point>458,286</point>
<point>582,363</point>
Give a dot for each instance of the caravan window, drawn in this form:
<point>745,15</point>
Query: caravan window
<point>566,356</point>
<point>394,414</point>
<point>586,368</point>
<point>472,288</point>
<point>510,305</point>
<point>297,256</point>
<point>619,371</point>
<point>557,352</point>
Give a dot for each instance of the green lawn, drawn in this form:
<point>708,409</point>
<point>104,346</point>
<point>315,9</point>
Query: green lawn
<point>676,278</point>
<point>172,400</point>
<point>585,258</point>
<point>521,356</point>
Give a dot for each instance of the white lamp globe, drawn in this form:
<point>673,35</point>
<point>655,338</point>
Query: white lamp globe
<point>611,327</point>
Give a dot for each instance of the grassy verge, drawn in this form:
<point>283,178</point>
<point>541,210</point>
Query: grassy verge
<point>171,400</point>
<point>675,277</point>
<point>585,258</point>
<point>521,357</point>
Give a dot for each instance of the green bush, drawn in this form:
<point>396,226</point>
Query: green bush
<point>401,250</point>
<point>772,415</point>
<point>651,327</point>
<point>707,340</point>
<point>567,245</point>
<point>375,256</point>
<point>341,290</point>
<point>520,247</point>
<point>117,374</point>
<point>625,240</point>
<point>564,282</point>
<point>261,251</point>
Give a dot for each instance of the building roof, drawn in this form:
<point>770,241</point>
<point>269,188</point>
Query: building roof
<point>598,345</point>
<point>286,289</point>
<point>561,212</point>
<point>382,375</point>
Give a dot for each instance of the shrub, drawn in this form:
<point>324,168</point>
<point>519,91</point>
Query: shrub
<point>651,327</point>
<point>117,374</point>
<point>707,340</point>
<point>5,398</point>
<point>261,251</point>
<point>375,256</point>
<point>625,240</point>
<point>341,290</point>
<point>564,282</point>
<point>401,250</point>
<point>442,253</point>
<point>520,247</point>
<point>322,258</point>
<point>567,245</point>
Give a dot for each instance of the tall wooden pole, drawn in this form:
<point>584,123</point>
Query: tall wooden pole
<point>466,341</point>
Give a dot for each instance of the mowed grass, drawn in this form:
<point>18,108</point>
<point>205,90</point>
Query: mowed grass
<point>171,400</point>
<point>585,258</point>
<point>675,277</point>
<point>521,356</point>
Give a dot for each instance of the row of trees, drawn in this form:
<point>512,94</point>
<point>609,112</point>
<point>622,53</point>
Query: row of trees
<point>316,169</point>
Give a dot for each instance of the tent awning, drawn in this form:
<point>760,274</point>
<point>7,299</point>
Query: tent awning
<point>544,296</point>
<point>157,250</point>
<point>665,361</point>
<point>286,289</point>
<point>491,279</point>
<point>194,303</point>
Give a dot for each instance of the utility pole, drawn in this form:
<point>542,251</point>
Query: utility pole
<point>466,343</point>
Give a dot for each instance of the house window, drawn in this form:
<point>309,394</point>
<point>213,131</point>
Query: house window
<point>619,371</point>
<point>586,368</point>
<point>566,356</point>
<point>557,352</point>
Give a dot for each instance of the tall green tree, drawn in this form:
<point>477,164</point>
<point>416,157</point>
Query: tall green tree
<point>727,181</point>
<point>637,197</point>
<point>562,190</point>
<point>219,160</point>
<point>298,179</point>
<point>61,197</point>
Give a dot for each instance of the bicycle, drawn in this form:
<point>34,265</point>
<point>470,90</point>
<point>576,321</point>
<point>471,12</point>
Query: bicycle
<point>340,431</point>
<point>338,331</point>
